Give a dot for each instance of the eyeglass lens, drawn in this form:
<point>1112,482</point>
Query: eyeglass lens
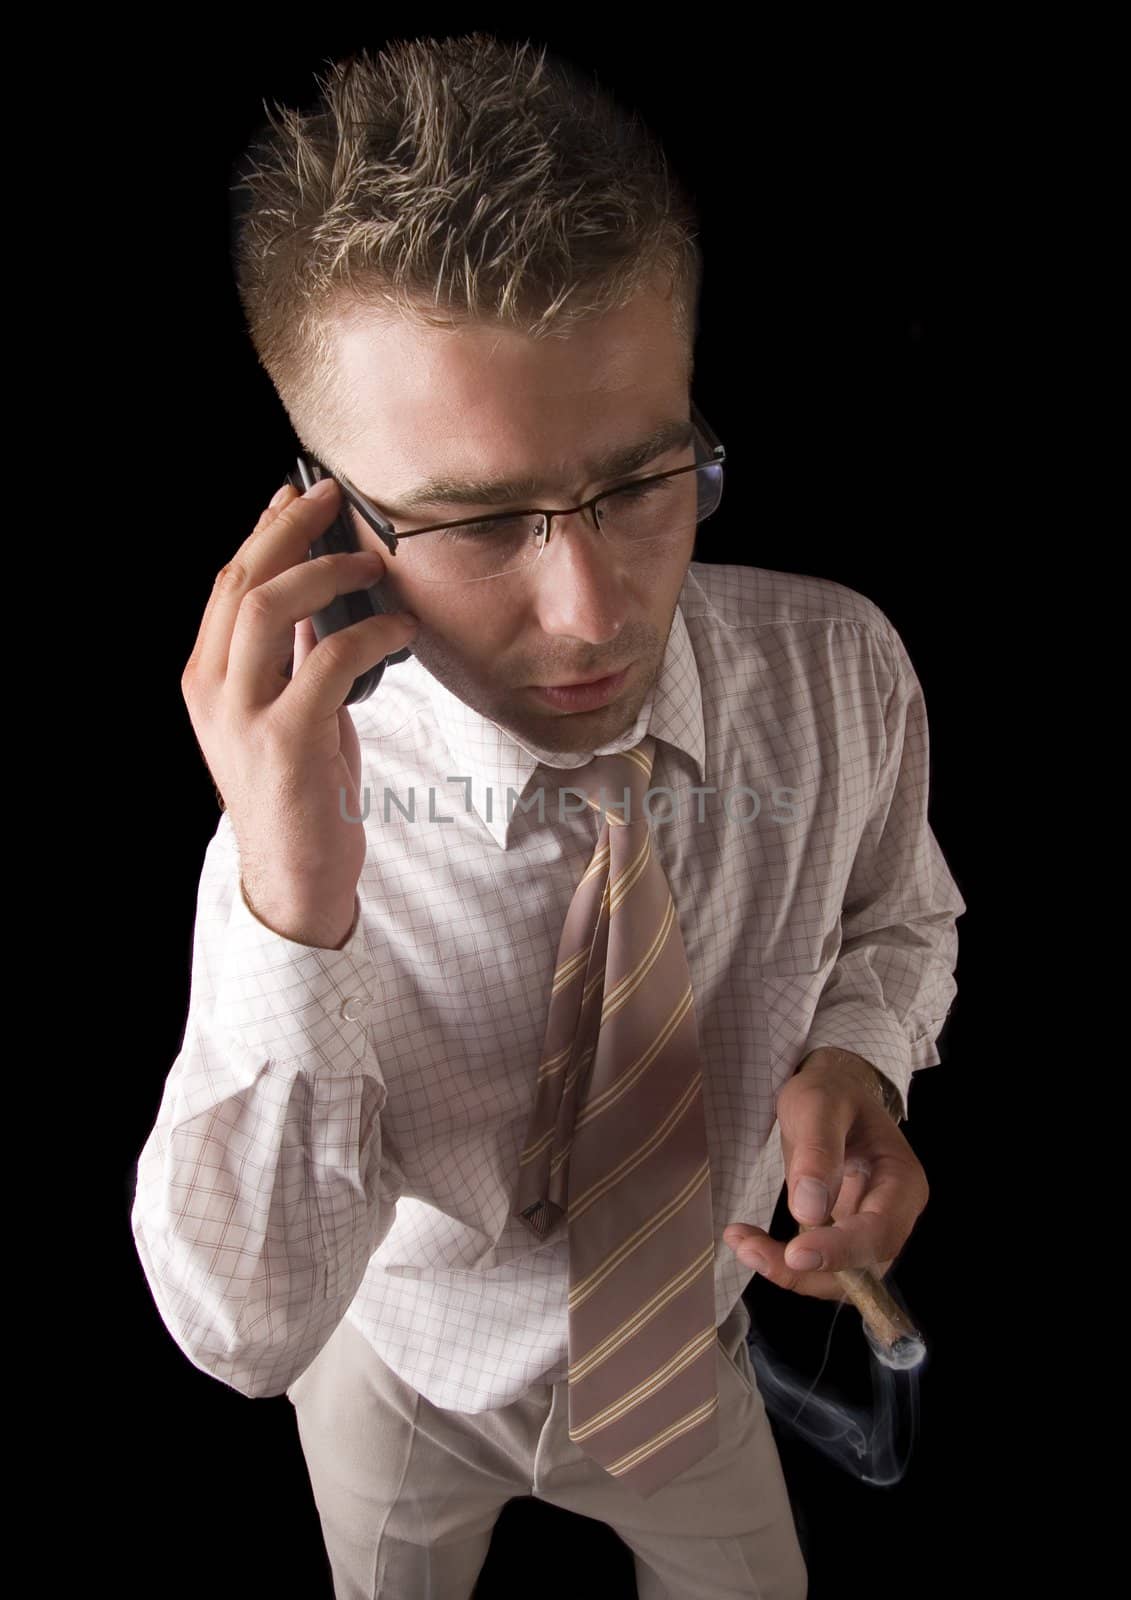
<point>650,515</point>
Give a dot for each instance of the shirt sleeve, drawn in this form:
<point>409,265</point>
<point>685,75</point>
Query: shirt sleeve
<point>263,1188</point>
<point>892,985</point>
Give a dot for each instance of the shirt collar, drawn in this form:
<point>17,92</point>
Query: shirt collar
<point>493,758</point>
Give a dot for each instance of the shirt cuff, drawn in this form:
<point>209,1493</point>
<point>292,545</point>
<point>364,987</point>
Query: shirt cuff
<point>872,1033</point>
<point>294,1001</point>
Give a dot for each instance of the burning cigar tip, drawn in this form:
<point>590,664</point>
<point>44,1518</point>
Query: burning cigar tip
<point>905,1353</point>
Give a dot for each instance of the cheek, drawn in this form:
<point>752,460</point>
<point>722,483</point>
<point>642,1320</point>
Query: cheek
<point>667,580</point>
<point>479,635</point>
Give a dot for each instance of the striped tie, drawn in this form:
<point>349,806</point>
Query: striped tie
<point>622,1151</point>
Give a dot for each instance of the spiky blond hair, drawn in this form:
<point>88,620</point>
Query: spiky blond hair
<point>455,180</point>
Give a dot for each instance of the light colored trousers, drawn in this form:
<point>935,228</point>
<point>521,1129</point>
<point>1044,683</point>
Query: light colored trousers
<point>408,1494</point>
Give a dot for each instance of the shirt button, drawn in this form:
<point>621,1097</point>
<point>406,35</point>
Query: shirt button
<point>353,1008</point>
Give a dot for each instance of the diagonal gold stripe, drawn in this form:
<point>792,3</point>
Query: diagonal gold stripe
<point>607,816</point>
<point>581,1290</point>
<point>655,1139</point>
<point>667,1436</point>
<point>554,1064</point>
<point>648,1386</point>
<point>583,1062</point>
<point>598,977</point>
<point>643,1315</point>
<point>599,862</point>
<point>629,1076</point>
<point>639,759</point>
<point>532,1151</point>
<point>568,970</point>
<point>624,880</point>
<point>565,974</point>
<point>616,997</point>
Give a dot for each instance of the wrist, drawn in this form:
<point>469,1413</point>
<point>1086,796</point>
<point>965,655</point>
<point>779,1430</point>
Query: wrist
<point>879,1088</point>
<point>313,927</point>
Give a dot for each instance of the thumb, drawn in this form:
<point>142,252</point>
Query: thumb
<point>814,1126</point>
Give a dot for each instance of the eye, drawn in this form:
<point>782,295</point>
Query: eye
<point>499,529</point>
<point>641,490</point>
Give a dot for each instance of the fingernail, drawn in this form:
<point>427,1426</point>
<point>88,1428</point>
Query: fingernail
<point>324,486</point>
<point>810,1201</point>
<point>278,496</point>
<point>802,1260</point>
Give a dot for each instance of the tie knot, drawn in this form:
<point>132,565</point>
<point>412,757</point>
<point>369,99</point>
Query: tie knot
<point>615,785</point>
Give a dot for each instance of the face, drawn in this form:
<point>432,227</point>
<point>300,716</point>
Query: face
<point>478,402</point>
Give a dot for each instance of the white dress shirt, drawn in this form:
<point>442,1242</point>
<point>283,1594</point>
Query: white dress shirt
<point>340,1132</point>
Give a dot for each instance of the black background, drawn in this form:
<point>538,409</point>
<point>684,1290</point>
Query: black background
<point>847,361</point>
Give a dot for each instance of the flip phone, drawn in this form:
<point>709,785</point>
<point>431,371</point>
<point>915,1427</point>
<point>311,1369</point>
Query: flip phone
<point>358,605</point>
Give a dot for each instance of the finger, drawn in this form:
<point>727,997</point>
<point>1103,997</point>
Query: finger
<point>280,540</point>
<point>305,640</point>
<point>856,1241</point>
<point>263,638</point>
<point>874,1215</point>
<point>854,1186</point>
<point>887,1210</point>
<point>766,1256</point>
<point>319,690</point>
<point>814,1127</point>
<point>857,1178</point>
<point>202,654</point>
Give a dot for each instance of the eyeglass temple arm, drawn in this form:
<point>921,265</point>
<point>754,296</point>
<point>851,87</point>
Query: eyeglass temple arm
<point>718,452</point>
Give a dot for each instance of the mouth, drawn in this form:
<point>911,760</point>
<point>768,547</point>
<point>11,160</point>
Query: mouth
<point>584,694</point>
<point>580,683</point>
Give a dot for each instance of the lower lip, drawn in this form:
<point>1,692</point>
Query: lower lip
<point>585,696</point>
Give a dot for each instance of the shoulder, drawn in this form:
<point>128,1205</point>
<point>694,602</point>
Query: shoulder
<point>756,601</point>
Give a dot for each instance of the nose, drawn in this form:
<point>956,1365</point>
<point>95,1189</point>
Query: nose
<point>580,583</point>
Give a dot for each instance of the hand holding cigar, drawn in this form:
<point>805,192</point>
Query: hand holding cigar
<point>893,1337</point>
<point>832,1105</point>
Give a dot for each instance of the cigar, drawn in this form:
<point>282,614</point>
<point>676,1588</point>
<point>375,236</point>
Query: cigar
<point>894,1339</point>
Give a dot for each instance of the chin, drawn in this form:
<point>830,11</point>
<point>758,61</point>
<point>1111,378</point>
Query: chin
<point>579,730</point>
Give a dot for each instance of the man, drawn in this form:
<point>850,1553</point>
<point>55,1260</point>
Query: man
<point>331,1203</point>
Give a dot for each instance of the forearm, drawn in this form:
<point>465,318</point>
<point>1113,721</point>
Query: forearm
<point>263,1187</point>
<point>254,1217</point>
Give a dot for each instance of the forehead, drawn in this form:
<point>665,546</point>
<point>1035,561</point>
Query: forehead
<point>481,415</point>
<point>618,460</point>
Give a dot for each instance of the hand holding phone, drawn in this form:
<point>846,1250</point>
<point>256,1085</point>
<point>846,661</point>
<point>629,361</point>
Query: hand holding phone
<point>282,749</point>
<point>357,606</point>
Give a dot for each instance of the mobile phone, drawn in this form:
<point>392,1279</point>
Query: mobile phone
<point>358,605</point>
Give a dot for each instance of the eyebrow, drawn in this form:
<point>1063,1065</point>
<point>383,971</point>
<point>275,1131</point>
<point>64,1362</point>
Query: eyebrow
<point>675,434</point>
